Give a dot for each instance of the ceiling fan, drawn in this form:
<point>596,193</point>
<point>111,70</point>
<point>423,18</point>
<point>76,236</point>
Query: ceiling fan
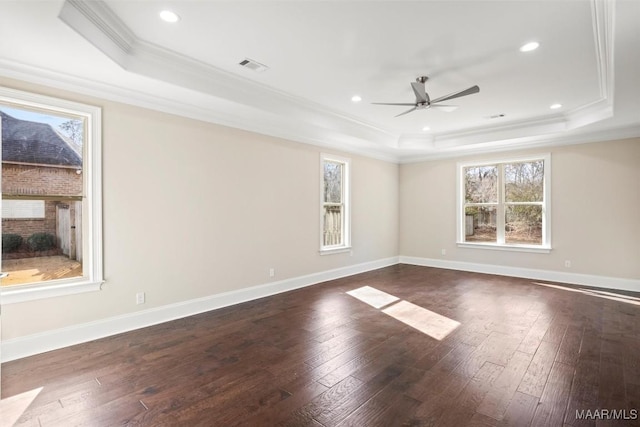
<point>422,97</point>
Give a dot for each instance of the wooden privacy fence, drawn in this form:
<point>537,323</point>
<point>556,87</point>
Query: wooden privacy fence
<point>332,226</point>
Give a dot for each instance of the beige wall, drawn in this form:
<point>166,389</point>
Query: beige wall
<point>595,195</point>
<point>193,209</point>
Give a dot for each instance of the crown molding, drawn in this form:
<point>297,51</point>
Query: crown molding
<point>94,21</point>
<point>302,120</point>
<point>100,26</point>
<point>265,126</point>
<point>540,141</point>
<point>603,21</point>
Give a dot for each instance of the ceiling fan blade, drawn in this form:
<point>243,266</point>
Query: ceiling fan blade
<point>442,105</point>
<point>395,103</point>
<point>470,91</point>
<point>421,94</point>
<point>407,112</point>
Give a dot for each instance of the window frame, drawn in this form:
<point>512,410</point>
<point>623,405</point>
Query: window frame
<point>345,246</point>
<point>501,204</point>
<point>92,277</point>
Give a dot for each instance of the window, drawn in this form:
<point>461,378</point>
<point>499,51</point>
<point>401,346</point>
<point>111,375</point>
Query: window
<point>335,218</point>
<point>21,209</point>
<point>51,196</point>
<point>505,204</point>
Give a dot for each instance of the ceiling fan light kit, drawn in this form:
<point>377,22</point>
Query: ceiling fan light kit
<point>423,101</point>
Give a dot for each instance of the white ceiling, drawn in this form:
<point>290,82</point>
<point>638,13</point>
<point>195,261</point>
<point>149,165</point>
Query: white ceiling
<point>321,53</point>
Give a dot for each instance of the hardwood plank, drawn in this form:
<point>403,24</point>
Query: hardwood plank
<point>584,392</point>
<point>347,363</point>
<point>380,411</point>
<point>569,350</point>
<point>32,417</point>
<point>435,402</point>
<point>497,400</point>
<point>633,401</point>
<point>323,403</point>
<point>536,376</point>
<point>610,391</point>
<point>277,412</point>
<point>432,357</point>
<point>481,420</point>
<point>115,412</point>
<point>553,402</point>
<point>464,407</point>
<point>497,349</point>
<point>403,352</point>
<point>348,404</point>
<point>523,354</point>
<point>631,360</point>
<point>590,345</point>
<point>454,358</point>
<point>466,335</point>
<point>556,331</point>
<point>520,411</point>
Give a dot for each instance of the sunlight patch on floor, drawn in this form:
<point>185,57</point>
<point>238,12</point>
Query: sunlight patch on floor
<point>373,296</point>
<point>595,293</point>
<point>13,407</point>
<point>425,321</point>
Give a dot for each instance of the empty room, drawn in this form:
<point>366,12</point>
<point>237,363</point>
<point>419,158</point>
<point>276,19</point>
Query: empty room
<point>320,213</point>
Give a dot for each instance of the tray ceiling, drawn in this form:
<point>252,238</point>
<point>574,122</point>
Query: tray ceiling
<point>320,54</point>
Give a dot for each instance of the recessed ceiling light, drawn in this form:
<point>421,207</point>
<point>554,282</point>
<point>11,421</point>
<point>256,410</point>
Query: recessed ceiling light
<point>555,106</point>
<point>356,98</point>
<point>529,47</point>
<point>426,128</point>
<point>169,16</point>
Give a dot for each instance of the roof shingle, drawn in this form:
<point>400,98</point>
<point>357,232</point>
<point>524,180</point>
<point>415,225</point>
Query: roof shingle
<point>37,143</point>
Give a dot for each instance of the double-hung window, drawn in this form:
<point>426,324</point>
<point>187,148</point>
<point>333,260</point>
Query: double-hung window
<point>505,204</point>
<point>51,196</point>
<point>334,214</point>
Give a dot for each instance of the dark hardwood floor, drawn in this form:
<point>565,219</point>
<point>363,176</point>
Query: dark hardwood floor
<point>522,354</point>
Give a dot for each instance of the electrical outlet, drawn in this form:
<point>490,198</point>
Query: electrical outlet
<point>567,264</point>
<point>140,298</point>
<point>443,251</point>
<point>272,272</point>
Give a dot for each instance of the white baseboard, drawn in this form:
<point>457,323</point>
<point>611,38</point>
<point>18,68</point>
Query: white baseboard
<point>51,340</point>
<point>529,273</point>
<point>29,345</point>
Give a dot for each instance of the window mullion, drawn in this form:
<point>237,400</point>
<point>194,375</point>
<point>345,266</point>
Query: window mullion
<point>500,210</point>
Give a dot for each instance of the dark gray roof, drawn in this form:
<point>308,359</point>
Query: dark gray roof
<point>31,142</point>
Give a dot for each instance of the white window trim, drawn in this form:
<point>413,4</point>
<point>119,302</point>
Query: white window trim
<point>545,247</point>
<point>92,278</point>
<point>346,197</point>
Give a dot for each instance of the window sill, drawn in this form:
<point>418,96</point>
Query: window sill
<point>337,250</point>
<point>23,293</point>
<point>510,248</point>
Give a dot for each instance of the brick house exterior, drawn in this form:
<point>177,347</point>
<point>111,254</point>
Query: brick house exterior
<point>39,163</point>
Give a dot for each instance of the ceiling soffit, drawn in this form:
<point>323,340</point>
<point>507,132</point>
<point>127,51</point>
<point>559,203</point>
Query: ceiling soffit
<point>104,30</point>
